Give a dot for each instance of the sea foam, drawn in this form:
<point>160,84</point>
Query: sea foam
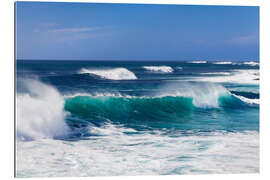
<point>132,153</point>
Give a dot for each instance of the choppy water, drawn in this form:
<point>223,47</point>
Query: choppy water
<point>78,118</point>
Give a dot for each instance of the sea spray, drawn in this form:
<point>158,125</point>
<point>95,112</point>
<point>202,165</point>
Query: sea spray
<point>204,95</point>
<point>39,111</point>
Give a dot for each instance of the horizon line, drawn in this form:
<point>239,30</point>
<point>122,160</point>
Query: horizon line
<point>225,60</point>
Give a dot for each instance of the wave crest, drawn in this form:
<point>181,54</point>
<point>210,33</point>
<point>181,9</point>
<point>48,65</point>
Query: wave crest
<point>249,76</point>
<point>113,74</point>
<point>204,95</point>
<point>251,63</point>
<point>223,62</point>
<point>198,62</point>
<point>163,69</point>
<point>247,100</point>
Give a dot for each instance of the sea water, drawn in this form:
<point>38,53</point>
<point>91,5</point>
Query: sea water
<point>110,118</point>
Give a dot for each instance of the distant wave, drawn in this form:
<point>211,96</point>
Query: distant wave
<point>249,76</point>
<point>179,67</point>
<point>223,62</point>
<point>251,63</point>
<point>113,74</point>
<point>198,62</point>
<point>163,69</point>
<point>216,73</point>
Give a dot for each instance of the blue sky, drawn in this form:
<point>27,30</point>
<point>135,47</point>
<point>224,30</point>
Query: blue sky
<point>87,31</point>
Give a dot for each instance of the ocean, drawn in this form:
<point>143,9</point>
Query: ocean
<point>118,118</point>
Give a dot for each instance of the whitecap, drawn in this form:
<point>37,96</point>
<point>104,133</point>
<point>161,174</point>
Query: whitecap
<point>216,73</point>
<point>198,62</point>
<point>242,76</point>
<point>162,69</point>
<point>113,74</point>
<point>223,62</point>
<point>251,63</point>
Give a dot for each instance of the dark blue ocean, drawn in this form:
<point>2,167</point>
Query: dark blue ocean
<point>110,118</point>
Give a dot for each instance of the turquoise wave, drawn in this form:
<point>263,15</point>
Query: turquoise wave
<point>124,109</point>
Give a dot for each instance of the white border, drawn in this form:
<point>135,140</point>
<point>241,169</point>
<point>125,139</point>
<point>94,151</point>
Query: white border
<point>7,88</point>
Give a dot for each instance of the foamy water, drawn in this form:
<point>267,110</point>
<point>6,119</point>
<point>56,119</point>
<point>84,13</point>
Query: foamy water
<point>116,153</point>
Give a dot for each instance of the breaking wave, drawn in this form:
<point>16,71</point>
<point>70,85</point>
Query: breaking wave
<point>250,76</point>
<point>169,103</point>
<point>216,73</point>
<point>223,62</point>
<point>162,69</point>
<point>40,112</point>
<point>251,63</point>
<point>198,62</point>
<point>112,74</point>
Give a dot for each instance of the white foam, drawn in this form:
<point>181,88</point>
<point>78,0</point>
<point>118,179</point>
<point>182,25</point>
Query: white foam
<point>163,69</point>
<point>223,62</point>
<point>39,112</point>
<point>113,74</point>
<point>251,63</point>
<point>198,62</point>
<point>115,153</point>
<point>179,67</point>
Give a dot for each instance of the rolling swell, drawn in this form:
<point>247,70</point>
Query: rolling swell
<point>141,109</point>
<point>123,109</point>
